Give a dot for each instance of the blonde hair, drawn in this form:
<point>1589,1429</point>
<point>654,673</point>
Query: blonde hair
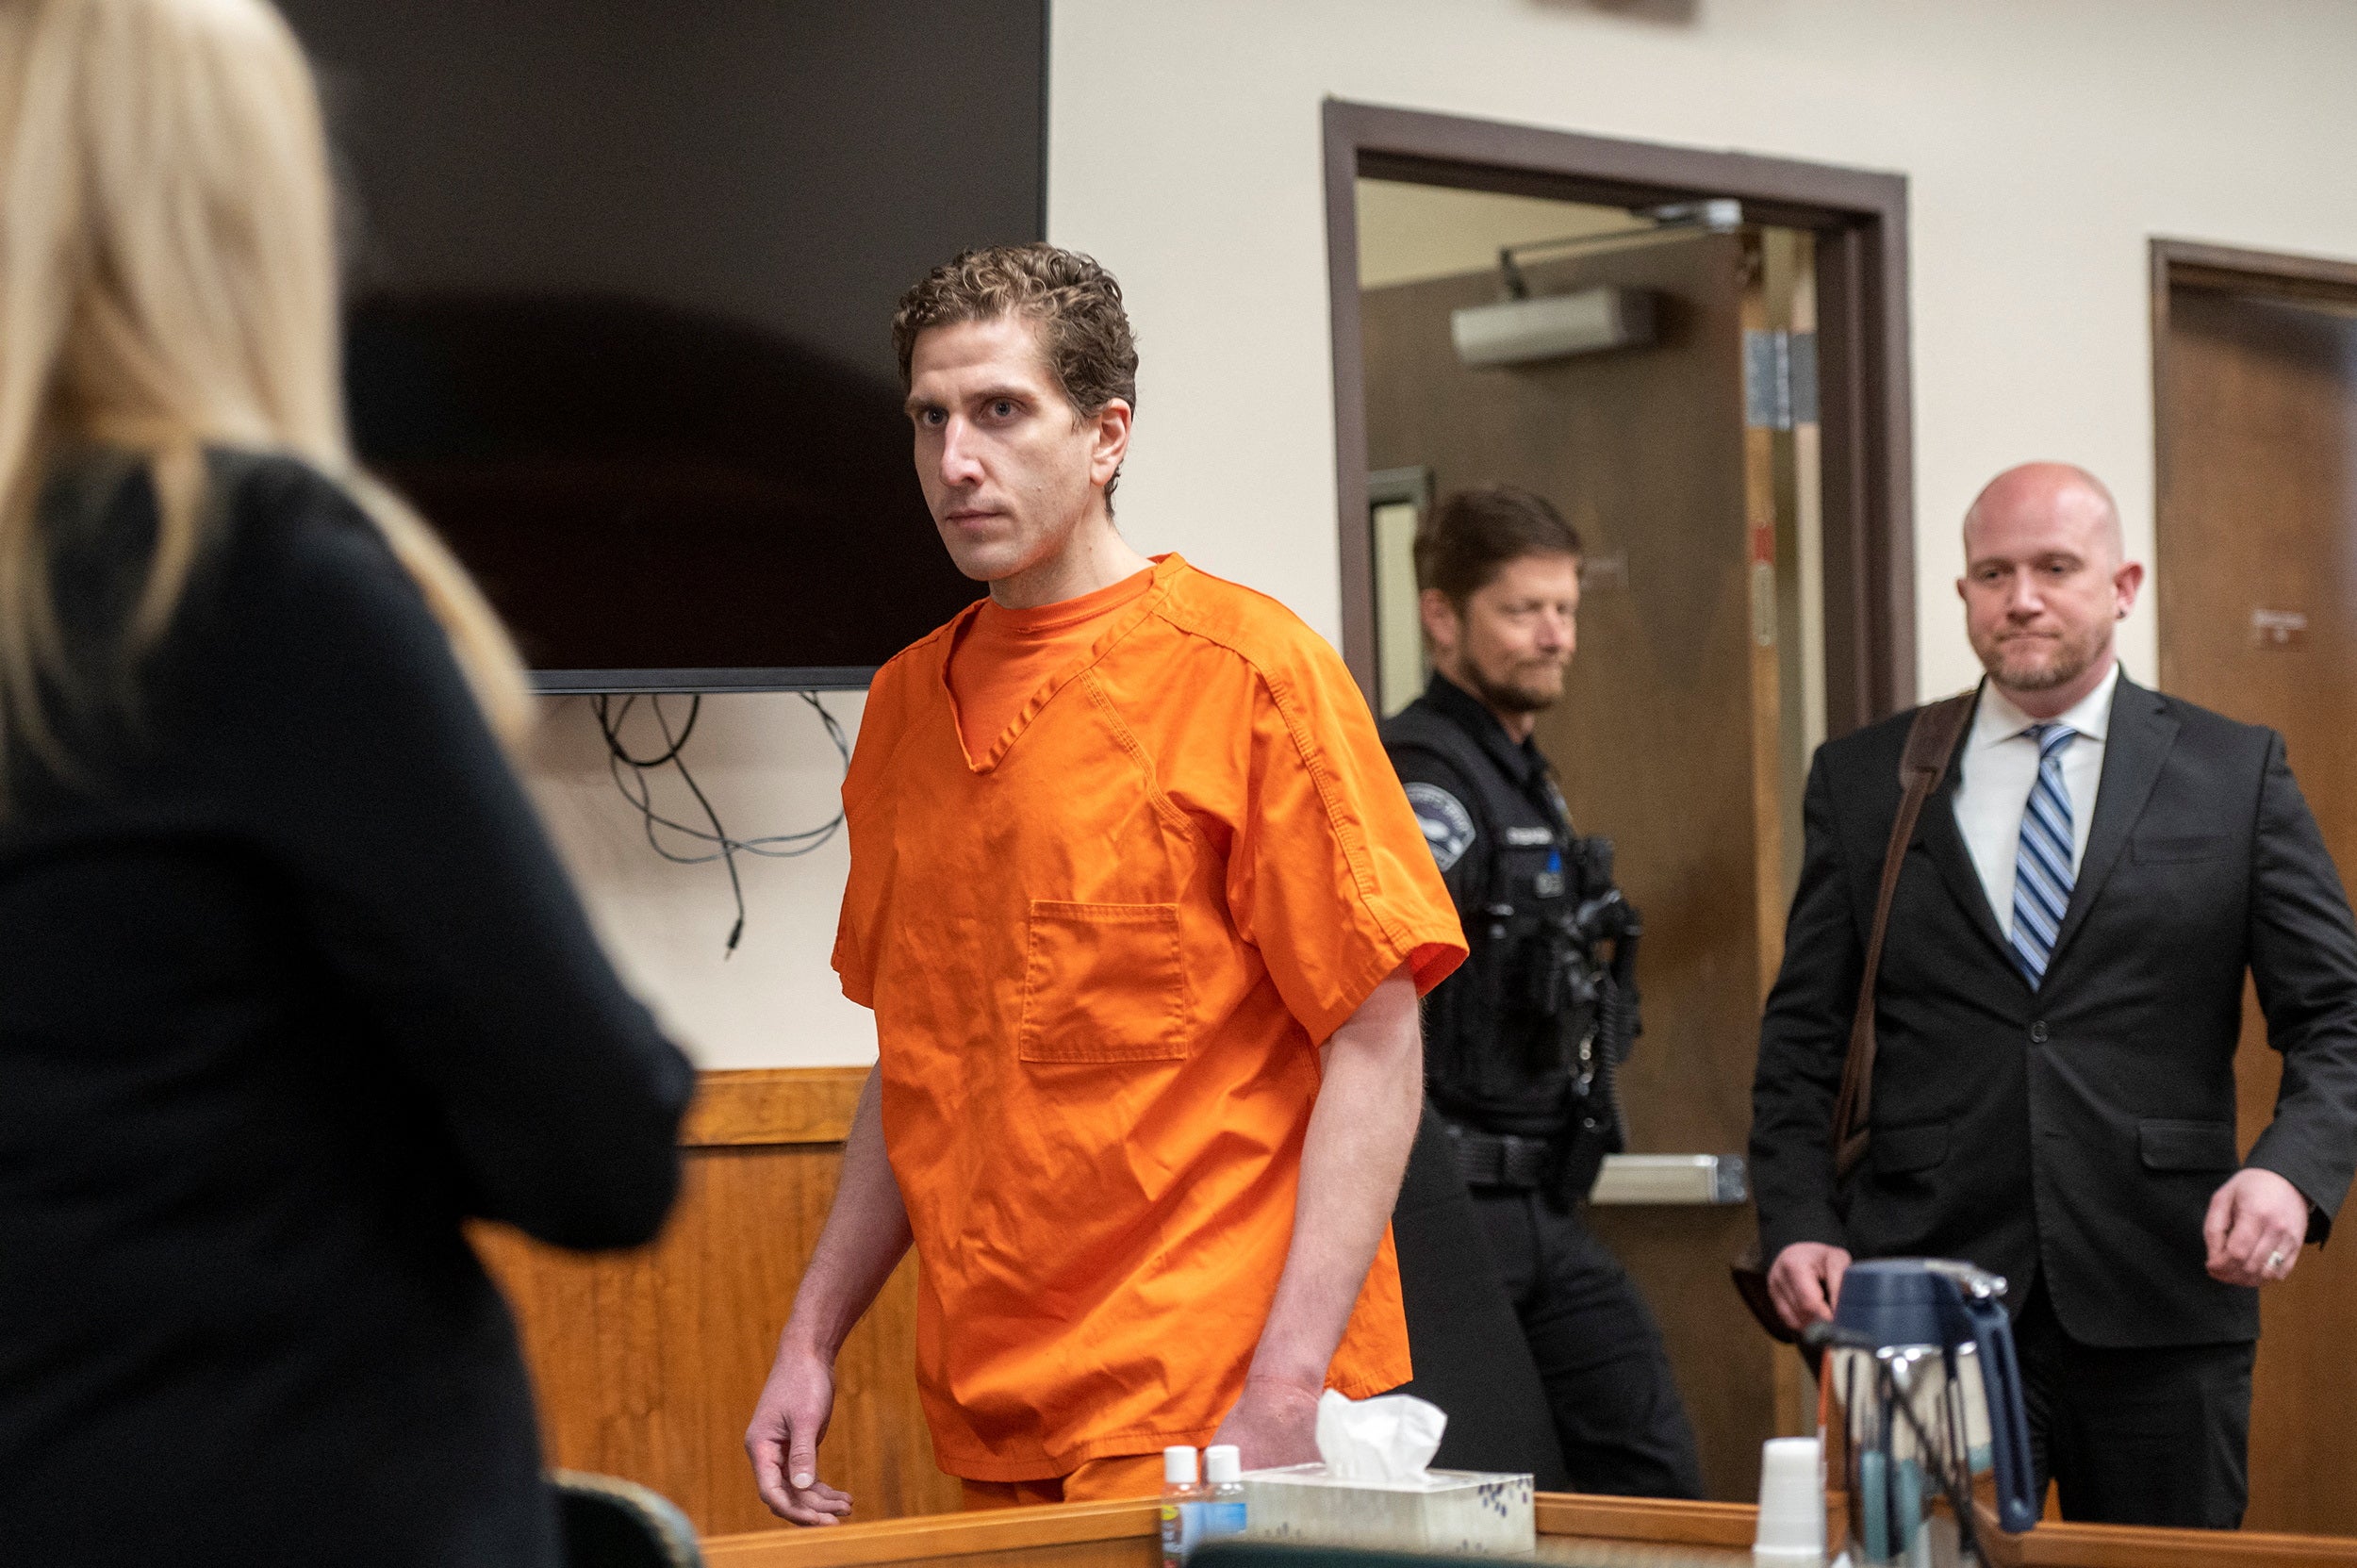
<point>168,282</point>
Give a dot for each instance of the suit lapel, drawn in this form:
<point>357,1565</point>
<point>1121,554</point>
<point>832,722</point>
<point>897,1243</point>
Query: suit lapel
<point>2141,735</point>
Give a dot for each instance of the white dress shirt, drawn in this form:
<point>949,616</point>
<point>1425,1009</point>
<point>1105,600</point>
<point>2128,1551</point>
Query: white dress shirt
<point>1999,765</point>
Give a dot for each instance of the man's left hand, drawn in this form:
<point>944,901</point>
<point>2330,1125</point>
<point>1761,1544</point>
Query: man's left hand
<point>1274,1423</point>
<point>2256,1224</point>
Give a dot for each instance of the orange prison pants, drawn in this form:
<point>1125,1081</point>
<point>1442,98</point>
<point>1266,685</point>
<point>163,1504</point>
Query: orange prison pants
<point>1122,1475</point>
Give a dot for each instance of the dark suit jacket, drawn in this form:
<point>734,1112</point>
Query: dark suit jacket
<point>2076,1132</point>
<point>291,982</point>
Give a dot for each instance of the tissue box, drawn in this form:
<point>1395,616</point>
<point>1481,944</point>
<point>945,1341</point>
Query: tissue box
<point>1442,1510</point>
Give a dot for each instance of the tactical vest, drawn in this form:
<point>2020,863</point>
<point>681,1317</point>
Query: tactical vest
<point>1514,1040</point>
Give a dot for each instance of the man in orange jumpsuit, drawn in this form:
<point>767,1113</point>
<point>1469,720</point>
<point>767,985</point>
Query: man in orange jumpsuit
<point>1143,917</point>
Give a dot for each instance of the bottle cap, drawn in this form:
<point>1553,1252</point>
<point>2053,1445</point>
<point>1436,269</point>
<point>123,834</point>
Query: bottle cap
<point>1222,1463</point>
<point>1178,1465</point>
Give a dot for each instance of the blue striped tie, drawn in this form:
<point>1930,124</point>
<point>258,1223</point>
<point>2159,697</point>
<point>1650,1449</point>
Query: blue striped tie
<point>2041,868</point>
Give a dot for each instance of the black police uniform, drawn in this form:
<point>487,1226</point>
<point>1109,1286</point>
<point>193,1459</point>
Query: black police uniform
<point>1517,1057</point>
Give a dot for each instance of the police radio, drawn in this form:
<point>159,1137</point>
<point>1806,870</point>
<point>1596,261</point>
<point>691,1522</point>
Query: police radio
<point>1592,982</point>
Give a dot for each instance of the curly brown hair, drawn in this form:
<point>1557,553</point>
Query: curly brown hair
<point>1085,332</point>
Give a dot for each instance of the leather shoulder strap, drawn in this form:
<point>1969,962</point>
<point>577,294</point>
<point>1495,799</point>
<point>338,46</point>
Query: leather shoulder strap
<point>1931,744</point>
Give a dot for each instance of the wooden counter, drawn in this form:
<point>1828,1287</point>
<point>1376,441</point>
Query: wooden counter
<point>647,1362</point>
<point>1603,1532</point>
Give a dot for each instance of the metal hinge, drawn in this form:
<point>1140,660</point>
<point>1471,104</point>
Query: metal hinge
<point>1779,379</point>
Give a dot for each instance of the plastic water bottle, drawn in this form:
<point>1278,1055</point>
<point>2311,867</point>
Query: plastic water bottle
<point>1183,1506</point>
<point>1222,1508</point>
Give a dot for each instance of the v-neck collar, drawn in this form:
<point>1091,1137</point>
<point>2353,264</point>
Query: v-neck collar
<point>1167,570</point>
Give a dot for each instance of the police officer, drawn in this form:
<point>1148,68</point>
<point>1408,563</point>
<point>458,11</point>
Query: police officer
<point>1522,1042</point>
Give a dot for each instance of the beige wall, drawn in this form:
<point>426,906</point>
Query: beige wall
<point>2044,144</point>
<point>768,767</point>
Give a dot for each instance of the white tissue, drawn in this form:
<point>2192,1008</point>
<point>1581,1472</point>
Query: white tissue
<point>1390,1438</point>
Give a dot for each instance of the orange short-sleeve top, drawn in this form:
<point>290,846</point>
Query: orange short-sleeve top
<point>1101,956</point>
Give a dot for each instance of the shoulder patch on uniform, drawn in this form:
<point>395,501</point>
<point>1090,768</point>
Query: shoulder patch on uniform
<point>1447,825</point>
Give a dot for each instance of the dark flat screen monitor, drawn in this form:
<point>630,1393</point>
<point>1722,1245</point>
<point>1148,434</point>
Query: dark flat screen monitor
<point>622,281</point>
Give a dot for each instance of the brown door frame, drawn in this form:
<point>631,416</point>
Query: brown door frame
<point>2188,263</point>
<point>1860,222</point>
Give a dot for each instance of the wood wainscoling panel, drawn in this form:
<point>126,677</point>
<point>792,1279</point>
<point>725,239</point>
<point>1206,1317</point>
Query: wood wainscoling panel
<point>762,1106</point>
<point>648,1363</point>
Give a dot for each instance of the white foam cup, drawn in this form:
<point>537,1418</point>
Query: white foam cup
<point>1791,1501</point>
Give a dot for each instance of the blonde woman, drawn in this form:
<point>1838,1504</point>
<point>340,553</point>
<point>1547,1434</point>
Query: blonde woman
<point>290,982</point>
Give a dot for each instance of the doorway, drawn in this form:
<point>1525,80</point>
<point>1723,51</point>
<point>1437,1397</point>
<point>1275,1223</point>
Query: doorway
<point>2256,577</point>
<point>1731,445</point>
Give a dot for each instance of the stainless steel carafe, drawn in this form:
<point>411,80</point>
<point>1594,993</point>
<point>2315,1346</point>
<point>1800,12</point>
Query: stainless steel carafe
<point>1923,1415</point>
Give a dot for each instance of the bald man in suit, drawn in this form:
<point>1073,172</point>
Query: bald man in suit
<point>2057,1012</point>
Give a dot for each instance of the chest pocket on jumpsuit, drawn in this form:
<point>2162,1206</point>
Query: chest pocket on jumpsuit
<point>1102,983</point>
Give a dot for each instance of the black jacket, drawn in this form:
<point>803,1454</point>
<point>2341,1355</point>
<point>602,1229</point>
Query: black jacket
<point>1502,837</point>
<point>290,985</point>
<point>2077,1132</point>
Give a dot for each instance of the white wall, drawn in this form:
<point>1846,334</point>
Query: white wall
<point>2044,143</point>
<point>766,765</point>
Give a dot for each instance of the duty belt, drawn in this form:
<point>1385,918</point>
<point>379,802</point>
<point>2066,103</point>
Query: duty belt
<point>1500,1158</point>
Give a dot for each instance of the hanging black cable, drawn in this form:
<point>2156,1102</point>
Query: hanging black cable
<point>641,797</point>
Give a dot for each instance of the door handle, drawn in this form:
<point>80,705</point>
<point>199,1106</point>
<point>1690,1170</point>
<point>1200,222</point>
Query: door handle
<point>1660,1179</point>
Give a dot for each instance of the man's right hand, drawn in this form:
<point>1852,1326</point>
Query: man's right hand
<point>796,1404</point>
<point>1806,1281</point>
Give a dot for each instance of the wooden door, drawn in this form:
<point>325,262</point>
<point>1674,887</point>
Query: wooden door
<point>2256,577</point>
<point>1656,737</point>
